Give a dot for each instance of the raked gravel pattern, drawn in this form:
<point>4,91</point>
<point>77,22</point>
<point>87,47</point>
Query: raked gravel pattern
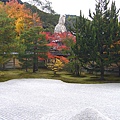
<point>46,99</point>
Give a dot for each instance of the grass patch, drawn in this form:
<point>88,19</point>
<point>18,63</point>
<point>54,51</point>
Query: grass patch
<point>62,75</point>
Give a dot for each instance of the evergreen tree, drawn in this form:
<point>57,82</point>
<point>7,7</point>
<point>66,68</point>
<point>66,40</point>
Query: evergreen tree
<point>7,37</point>
<point>36,47</point>
<point>115,53</point>
<point>95,38</point>
<point>115,47</point>
<point>82,48</point>
<point>105,22</point>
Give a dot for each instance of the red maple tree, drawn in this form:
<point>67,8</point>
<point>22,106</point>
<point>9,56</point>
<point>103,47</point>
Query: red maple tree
<point>56,43</point>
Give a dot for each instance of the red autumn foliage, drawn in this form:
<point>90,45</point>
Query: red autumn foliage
<point>50,56</point>
<point>56,42</point>
<point>62,47</point>
<point>52,44</point>
<point>64,59</point>
<point>41,58</point>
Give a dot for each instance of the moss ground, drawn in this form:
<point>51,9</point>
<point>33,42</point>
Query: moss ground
<point>62,75</point>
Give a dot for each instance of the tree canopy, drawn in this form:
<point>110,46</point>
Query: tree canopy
<point>94,38</point>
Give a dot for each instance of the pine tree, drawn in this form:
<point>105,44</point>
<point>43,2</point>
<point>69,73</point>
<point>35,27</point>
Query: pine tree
<point>82,48</point>
<point>94,38</point>
<point>105,22</point>
<point>115,47</point>
<point>36,47</point>
<point>7,36</point>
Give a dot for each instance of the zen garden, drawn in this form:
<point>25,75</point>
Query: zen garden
<point>59,67</point>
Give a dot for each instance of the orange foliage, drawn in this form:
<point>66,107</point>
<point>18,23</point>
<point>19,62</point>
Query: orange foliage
<point>36,20</point>
<point>118,42</point>
<point>64,59</point>
<point>23,16</point>
<point>16,10</point>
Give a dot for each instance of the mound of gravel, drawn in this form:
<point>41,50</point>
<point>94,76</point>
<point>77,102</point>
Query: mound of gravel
<point>90,114</point>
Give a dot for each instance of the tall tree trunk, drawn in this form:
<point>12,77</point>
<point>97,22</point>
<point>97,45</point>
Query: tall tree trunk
<point>102,72</point>
<point>34,66</point>
<point>77,70</point>
<point>13,62</point>
<point>34,63</point>
<point>80,71</point>
<point>26,66</point>
<point>3,67</point>
<point>26,69</point>
<point>76,67</point>
<point>119,70</point>
<point>54,73</point>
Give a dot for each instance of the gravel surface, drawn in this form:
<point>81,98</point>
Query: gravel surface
<point>41,99</point>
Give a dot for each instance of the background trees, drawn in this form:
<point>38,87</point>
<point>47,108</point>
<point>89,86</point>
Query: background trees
<point>95,44</point>
<point>23,16</point>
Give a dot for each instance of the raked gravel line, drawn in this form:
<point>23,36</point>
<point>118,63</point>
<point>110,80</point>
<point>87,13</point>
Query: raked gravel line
<point>41,99</point>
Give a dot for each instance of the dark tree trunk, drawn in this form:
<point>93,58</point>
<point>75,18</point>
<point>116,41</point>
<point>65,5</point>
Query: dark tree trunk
<point>119,70</point>
<point>80,71</point>
<point>102,72</point>
<point>26,66</point>
<point>13,62</point>
<point>34,68</point>
<point>35,58</point>
<point>3,67</point>
<point>54,73</point>
<point>77,70</point>
<point>34,63</point>
<point>26,69</point>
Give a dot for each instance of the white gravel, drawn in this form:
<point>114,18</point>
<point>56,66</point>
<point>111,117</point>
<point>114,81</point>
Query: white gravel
<point>41,99</point>
<point>89,114</point>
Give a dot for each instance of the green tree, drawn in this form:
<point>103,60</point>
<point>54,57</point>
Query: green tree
<point>7,37</point>
<point>35,44</point>
<point>83,32</point>
<point>94,38</point>
<point>74,65</point>
<point>115,47</point>
<point>115,52</point>
<point>105,24</point>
